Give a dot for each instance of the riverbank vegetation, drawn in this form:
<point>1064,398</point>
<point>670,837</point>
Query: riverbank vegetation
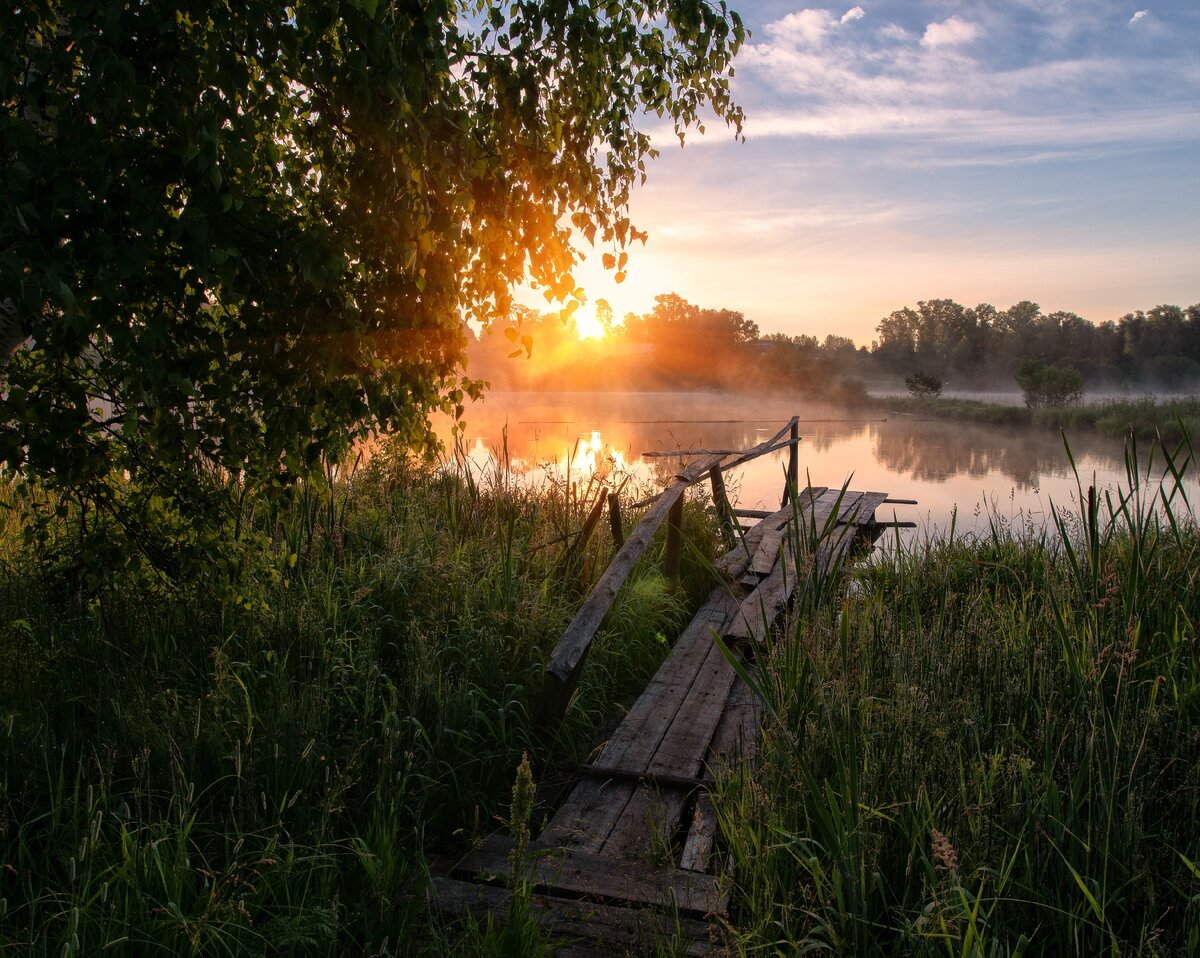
<point>1146,418</point>
<point>990,748</point>
<point>186,775</point>
<point>986,745</point>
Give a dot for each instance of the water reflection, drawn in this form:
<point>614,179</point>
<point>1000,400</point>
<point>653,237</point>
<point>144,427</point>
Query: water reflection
<point>954,469</point>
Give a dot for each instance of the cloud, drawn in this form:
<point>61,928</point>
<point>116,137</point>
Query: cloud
<point>807,27</point>
<point>950,32</point>
<point>1138,17</point>
<point>854,13</point>
<point>893,31</point>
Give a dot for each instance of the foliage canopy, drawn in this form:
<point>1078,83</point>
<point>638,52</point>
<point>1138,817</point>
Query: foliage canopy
<point>235,237</point>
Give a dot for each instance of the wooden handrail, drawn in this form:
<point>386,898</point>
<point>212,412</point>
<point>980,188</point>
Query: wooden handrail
<point>566,662</point>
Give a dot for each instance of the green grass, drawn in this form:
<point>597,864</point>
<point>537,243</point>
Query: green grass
<point>990,747</point>
<point>186,776</point>
<point>983,747</point>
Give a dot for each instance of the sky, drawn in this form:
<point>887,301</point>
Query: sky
<point>1044,150</point>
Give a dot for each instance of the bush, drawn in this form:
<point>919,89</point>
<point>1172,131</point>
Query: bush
<point>922,385</point>
<point>1057,385</point>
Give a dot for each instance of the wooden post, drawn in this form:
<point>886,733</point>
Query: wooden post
<point>721,503</point>
<point>793,473</point>
<point>674,550</point>
<point>614,519</point>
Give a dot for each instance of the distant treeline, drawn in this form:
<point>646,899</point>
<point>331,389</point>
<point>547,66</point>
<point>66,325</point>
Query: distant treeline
<point>679,345</point>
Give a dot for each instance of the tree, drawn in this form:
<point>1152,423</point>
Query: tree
<point>922,385</point>
<point>234,241</point>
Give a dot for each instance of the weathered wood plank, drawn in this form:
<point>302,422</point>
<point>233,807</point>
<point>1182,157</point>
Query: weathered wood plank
<point>734,562</point>
<point>758,611</point>
<point>682,749</point>
<point>737,735</point>
<point>613,929</point>
<point>697,848</point>
<point>562,671</point>
<point>652,815</point>
<point>637,737</point>
<point>586,818</point>
<point>586,873</point>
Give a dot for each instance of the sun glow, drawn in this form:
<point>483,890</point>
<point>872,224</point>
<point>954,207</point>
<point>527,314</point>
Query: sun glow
<point>590,327</point>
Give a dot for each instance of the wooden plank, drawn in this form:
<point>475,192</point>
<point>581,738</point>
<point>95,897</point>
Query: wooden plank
<point>562,671</point>
<point>865,511</point>
<point>654,780</point>
<point>737,734</point>
<point>651,816</point>
<point>758,611</point>
<point>611,927</point>
<point>697,848</point>
<point>586,818</point>
<point>682,749</point>
<point>586,873</point>
<point>637,737</point>
<point>766,556</point>
<point>734,563</point>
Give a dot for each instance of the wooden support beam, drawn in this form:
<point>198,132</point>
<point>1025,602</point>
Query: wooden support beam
<point>589,526</point>
<point>721,504</point>
<point>587,873</point>
<point>793,473</point>
<point>673,552</point>
<point>614,520</point>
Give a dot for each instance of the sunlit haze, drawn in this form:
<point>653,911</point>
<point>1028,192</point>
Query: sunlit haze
<point>901,151</point>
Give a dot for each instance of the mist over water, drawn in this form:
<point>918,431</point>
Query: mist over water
<point>966,474</point>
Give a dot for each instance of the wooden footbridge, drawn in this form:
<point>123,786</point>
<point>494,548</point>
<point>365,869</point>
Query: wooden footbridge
<point>631,857</point>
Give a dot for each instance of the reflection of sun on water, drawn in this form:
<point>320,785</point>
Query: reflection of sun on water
<point>591,457</point>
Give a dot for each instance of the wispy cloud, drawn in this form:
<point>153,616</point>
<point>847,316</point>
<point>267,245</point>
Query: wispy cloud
<point>1138,17</point>
<point>926,79</point>
<point>854,13</point>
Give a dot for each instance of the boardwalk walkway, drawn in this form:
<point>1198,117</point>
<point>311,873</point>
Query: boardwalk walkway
<point>630,857</point>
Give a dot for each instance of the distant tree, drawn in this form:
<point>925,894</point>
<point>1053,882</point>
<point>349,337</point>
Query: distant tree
<point>922,385</point>
<point>1042,385</point>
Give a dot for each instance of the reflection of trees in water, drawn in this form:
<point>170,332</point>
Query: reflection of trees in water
<point>938,450</point>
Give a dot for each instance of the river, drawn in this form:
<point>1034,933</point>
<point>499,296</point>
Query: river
<point>963,475</point>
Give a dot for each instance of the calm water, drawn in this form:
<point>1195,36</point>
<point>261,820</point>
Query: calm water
<point>958,472</point>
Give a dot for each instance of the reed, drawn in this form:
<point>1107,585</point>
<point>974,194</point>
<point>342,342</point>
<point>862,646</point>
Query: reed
<point>988,746</point>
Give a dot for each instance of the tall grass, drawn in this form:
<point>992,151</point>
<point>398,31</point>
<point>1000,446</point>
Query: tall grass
<point>991,748</point>
<point>184,776</point>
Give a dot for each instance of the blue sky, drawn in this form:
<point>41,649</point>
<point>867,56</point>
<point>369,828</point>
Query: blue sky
<point>899,151</point>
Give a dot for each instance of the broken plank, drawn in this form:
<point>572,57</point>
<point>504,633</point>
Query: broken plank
<point>614,928</point>
<point>697,848</point>
<point>586,873</point>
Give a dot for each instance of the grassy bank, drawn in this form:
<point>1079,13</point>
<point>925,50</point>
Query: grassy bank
<point>1146,418</point>
<point>182,777</point>
<point>992,748</point>
<point>978,748</point>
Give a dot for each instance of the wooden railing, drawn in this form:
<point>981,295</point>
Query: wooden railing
<point>566,662</point>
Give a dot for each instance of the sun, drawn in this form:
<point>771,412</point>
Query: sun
<point>590,327</point>
<point>596,323</point>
